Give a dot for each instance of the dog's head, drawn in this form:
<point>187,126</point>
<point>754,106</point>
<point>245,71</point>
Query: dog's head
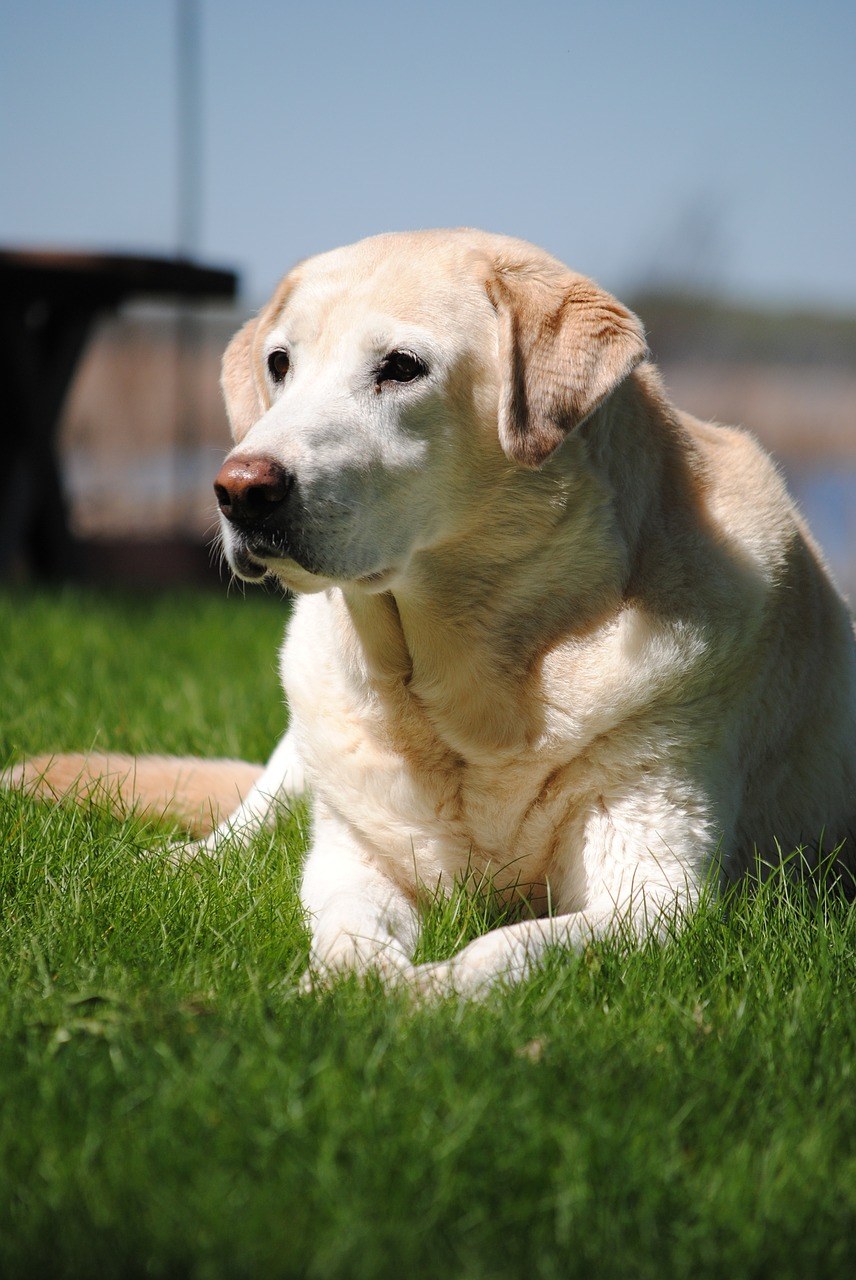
<point>388,386</point>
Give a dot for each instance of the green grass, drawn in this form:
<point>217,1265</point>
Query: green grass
<point>170,1106</point>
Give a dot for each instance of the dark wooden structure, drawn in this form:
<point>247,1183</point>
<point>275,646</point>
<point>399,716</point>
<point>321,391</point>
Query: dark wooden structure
<point>48,304</point>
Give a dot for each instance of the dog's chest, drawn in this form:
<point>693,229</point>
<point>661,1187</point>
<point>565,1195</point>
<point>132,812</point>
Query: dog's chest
<point>426,810</point>
<point>430,816</point>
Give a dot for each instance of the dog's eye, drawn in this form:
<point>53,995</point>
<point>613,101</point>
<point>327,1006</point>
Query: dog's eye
<point>278,363</point>
<point>400,366</point>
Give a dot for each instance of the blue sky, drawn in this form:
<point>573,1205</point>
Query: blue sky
<point>713,144</point>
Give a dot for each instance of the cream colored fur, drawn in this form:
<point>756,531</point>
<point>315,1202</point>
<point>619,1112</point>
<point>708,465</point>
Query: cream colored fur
<point>197,794</point>
<point>551,632</point>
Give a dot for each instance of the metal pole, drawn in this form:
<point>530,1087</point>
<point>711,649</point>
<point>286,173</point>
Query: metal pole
<point>189,218</point>
<point>189,151</point>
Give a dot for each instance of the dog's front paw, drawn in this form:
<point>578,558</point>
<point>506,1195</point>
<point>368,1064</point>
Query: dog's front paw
<point>360,956</point>
<point>472,973</point>
<point>449,978</point>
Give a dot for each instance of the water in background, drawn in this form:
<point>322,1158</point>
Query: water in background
<point>827,498</point>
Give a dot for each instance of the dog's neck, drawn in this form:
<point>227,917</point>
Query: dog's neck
<point>459,641</point>
<point>460,649</point>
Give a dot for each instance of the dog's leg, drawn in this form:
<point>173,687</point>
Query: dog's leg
<point>510,954</point>
<point>281,781</point>
<point>642,882</point>
<point>360,919</point>
<point>505,955</point>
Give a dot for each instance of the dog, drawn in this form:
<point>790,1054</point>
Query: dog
<point>551,632</point>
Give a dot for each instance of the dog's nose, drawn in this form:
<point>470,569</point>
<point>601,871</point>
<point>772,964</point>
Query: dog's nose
<point>249,490</point>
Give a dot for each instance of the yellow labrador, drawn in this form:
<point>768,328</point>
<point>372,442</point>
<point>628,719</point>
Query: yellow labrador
<point>551,631</point>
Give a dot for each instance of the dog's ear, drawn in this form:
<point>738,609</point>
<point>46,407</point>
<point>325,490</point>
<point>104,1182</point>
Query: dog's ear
<point>240,391</point>
<point>564,346</point>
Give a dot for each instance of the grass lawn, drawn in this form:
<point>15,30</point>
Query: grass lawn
<point>170,1106</point>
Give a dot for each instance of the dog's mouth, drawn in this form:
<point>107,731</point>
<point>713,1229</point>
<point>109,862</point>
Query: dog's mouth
<point>375,582</point>
<point>253,557</point>
<point>245,565</point>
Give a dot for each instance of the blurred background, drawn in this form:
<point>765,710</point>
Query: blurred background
<point>164,163</point>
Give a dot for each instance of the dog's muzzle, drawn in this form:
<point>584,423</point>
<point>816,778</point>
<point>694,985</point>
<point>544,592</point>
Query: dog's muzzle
<point>253,494</point>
